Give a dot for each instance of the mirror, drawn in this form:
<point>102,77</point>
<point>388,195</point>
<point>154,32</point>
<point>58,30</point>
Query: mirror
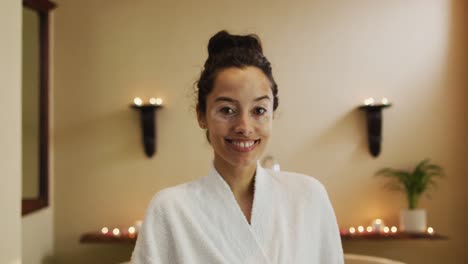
<point>35,105</point>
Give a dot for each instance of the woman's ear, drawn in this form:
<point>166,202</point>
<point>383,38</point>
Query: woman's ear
<point>201,119</point>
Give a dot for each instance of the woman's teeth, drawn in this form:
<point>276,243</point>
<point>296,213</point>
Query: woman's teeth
<point>244,144</point>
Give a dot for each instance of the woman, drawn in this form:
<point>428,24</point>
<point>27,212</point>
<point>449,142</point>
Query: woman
<point>240,213</point>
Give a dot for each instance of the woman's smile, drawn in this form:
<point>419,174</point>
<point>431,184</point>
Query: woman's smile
<point>242,145</point>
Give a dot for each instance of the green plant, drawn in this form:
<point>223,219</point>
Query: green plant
<point>415,182</point>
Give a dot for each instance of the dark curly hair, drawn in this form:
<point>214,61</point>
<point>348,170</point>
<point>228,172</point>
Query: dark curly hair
<point>226,51</point>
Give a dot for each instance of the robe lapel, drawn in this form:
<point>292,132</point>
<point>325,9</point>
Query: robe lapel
<point>248,239</point>
<point>262,209</point>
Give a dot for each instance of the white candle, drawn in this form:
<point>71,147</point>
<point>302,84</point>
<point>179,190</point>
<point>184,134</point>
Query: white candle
<point>360,229</point>
<point>116,232</point>
<point>369,101</point>
<point>137,225</point>
<point>430,230</point>
<point>156,101</point>
<point>137,101</point>
<point>105,230</point>
<point>377,225</point>
<point>386,229</point>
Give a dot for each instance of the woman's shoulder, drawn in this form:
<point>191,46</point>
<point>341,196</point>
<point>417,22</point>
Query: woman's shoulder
<point>174,196</point>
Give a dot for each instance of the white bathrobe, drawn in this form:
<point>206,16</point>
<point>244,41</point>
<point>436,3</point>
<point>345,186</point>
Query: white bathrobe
<point>292,221</point>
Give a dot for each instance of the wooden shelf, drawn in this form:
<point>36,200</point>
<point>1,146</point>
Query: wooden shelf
<point>391,236</point>
<point>98,237</point>
<point>126,238</point>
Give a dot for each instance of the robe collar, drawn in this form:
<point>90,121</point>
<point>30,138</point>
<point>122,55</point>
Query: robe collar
<point>262,207</point>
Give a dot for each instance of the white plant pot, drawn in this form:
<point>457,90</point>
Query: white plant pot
<point>413,220</point>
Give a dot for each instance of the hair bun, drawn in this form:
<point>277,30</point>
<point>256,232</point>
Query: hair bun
<point>223,41</point>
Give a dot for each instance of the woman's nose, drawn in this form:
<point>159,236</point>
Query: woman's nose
<point>244,125</point>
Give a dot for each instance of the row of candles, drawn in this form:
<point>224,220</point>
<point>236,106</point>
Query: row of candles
<point>378,226</point>
<point>371,101</point>
<point>130,231</point>
<point>117,232</point>
<point>152,101</point>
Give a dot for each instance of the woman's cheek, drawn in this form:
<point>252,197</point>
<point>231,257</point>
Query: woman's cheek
<point>265,125</point>
<point>219,125</point>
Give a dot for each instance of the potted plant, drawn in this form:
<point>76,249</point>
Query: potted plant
<point>414,183</point>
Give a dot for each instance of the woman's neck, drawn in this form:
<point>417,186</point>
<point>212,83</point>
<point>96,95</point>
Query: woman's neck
<point>239,179</point>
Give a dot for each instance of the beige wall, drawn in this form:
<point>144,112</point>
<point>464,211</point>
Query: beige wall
<point>327,58</point>
<point>38,237</point>
<point>10,132</point>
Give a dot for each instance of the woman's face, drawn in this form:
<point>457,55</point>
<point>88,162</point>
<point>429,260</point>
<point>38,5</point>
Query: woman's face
<point>239,114</point>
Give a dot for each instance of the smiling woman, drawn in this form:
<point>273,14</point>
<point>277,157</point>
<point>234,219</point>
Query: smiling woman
<point>240,212</point>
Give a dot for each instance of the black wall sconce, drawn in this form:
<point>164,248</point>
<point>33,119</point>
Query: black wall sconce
<point>148,121</point>
<point>374,123</point>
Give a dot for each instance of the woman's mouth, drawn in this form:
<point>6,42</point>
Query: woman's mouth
<point>243,145</point>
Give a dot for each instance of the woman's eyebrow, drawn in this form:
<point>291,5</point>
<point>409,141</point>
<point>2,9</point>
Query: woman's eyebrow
<point>262,98</point>
<point>228,99</point>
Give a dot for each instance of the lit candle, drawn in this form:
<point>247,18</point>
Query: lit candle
<point>105,230</point>
<point>369,229</point>
<point>352,230</point>
<point>369,101</point>
<point>131,230</point>
<point>156,101</point>
<point>386,229</point>
<point>360,229</point>
<point>394,229</point>
<point>137,101</point>
<point>116,231</point>
<point>430,230</point>
<point>138,225</point>
<point>377,225</point>
<point>385,101</point>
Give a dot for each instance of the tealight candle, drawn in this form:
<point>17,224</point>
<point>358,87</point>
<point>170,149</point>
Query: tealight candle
<point>377,225</point>
<point>137,101</point>
<point>361,229</point>
<point>352,230</point>
<point>116,231</point>
<point>385,101</point>
<point>430,230</point>
<point>138,225</point>
<point>131,230</point>
<point>394,229</point>
<point>156,101</point>
<point>105,230</point>
<point>369,101</point>
<point>386,229</point>
<point>369,229</point>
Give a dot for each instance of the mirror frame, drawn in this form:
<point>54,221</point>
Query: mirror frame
<point>42,7</point>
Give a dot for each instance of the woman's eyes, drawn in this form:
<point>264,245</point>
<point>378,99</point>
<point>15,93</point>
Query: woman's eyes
<point>260,111</point>
<point>227,110</point>
<point>231,111</point>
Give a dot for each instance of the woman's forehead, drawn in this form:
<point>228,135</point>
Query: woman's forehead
<point>241,82</point>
